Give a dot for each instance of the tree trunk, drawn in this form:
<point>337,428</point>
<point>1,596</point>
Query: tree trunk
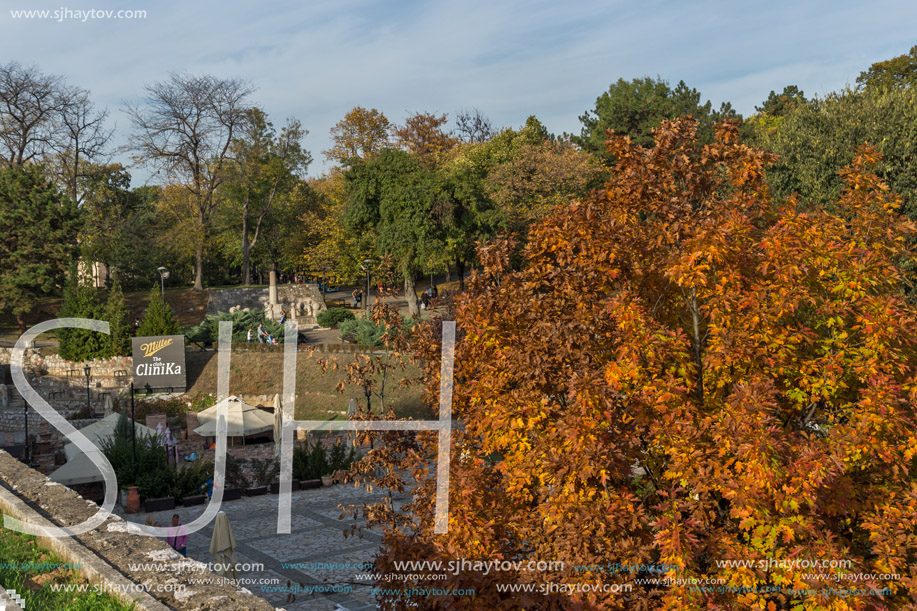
<point>199,268</point>
<point>460,270</point>
<point>21,324</point>
<point>410,293</point>
<point>246,251</point>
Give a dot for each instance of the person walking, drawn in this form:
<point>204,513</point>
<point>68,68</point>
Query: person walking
<point>283,316</point>
<point>357,295</point>
<point>178,536</point>
<point>248,336</point>
<point>262,334</point>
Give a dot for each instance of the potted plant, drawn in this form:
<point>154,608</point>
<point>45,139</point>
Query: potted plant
<point>275,486</point>
<point>161,504</point>
<point>327,480</point>
<point>235,481</point>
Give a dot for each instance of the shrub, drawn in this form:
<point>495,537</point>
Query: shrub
<point>312,461</point>
<point>365,332</point>
<point>189,479</point>
<point>208,332</point>
<point>333,316</point>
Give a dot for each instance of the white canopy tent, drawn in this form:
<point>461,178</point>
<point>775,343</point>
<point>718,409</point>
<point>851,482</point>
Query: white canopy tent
<point>102,430</point>
<point>79,469</point>
<point>242,420</point>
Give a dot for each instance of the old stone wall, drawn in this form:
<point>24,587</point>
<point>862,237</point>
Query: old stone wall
<point>301,302</point>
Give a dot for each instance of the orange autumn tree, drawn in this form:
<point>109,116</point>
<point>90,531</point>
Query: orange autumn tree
<point>681,372</point>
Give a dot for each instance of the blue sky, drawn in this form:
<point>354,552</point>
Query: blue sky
<point>315,60</point>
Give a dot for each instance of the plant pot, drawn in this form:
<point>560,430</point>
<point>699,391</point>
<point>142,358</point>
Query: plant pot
<point>197,499</point>
<point>327,480</point>
<point>232,494</point>
<point>163,504</point>
<point>256,491</point>
<point>133,501</point>
<point>309,484</point>
<point>275,487</point>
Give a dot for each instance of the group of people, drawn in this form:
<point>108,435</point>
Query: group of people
<point>263,336</point>
<point>427,297</point>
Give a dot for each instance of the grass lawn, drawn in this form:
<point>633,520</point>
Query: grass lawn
<point>17,549</point>
<point>317,397</point>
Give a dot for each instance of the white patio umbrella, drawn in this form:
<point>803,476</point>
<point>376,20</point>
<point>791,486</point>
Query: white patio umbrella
<point>278,424</point>
<point>242,420</point>
<point>222,546</point>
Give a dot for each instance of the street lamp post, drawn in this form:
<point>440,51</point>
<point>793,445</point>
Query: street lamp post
<point>163,274</point>
<point>88,371</point>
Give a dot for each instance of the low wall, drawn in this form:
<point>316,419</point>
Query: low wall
<point>112,551</point>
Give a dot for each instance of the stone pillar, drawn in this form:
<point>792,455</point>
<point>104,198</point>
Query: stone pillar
<point>272,291</point>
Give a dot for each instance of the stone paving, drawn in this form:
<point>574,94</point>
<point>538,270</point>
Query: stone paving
<point>316,537</point>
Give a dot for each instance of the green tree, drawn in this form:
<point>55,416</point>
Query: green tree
<point>394,195</point>
<point>634,108</point>
<point>80,301</point>
<point>778,105</point>
<point>158,318</point>
<point>117,219</point>
<point>899,71</point>
<point>266,167</point>
<point>815,141</point>
<point>119,339</point>
<point>38,231</point>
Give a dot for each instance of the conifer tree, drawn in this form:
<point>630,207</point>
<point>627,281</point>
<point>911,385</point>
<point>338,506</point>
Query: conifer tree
<point>119,338</point>
<point>80,301</point>
<point>158,318</point>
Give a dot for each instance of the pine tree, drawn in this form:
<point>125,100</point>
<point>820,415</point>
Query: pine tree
<point>119,338</point>
<point>158,318</point>
<point>80,301</point>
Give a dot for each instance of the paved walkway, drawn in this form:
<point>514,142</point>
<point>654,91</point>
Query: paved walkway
<point>316,537</point>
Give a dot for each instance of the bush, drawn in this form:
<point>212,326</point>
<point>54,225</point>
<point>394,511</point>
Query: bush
<point>154,475</point>
<point>333,316</point>
<point>313,461</point>
<point>188,480</point>
<point>365,332</point>
<point>208,332</point>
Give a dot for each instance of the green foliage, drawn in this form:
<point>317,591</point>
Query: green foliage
<point>365,332</point>
<point>779,105</point>
<point>333,316</point>
<point>235,476</point>
<point>312,461</point>
<point>80,301</point>
<point>189,479</point>
<point>815,141</point>
<point>208,332</point>
<point>158,318</point>
<point>897,72</point>
<point>264,472</point>
<point>117,220</point>
<point>154,475</point>
<point>119,339</point>
<point>635,108</point>
<point>38,231</point>
<point>202,401</point>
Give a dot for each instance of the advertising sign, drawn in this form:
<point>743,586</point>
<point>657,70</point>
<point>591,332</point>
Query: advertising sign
<point>159,362</point>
